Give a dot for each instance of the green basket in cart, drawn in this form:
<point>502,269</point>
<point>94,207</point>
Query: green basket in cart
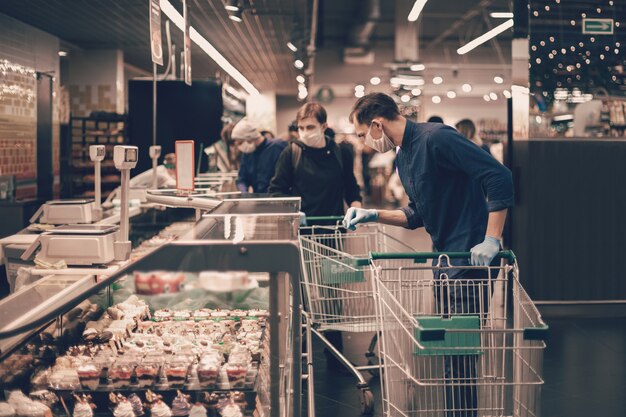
<point>342,270</point>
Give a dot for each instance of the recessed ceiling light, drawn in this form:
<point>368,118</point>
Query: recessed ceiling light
<point>302,94</point>
<point>437,80</point>
<point>291,46</point>
<point>62,53</point>
<point>359,87</point>
<point>486,97</point>
<point>298,64</point>
<point>405,98</point>
<point>375,80</point>
<point>359,93</point>
<point>231,5</point>
<point>493,96</point>
<point>451,94</point>
<point>418,67</point>
<point>300,79</point>
<point>498,79</point>
<point>436,99</point>
<point>467,88</point>
<point>506,93</point>
<point>416,92</point>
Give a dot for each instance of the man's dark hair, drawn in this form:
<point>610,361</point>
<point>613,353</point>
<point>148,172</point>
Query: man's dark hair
<point>312,109</point>
<point>330,133</point>
<point>435,119</point>
<point>374,105</point>
<point>293,126</point>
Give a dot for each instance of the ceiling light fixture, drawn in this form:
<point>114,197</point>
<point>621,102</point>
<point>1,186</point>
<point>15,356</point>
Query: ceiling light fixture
<point>231,5</point>
<point>501,15</point>
<point>506,93</point>
<point>436,99</point>
<point>416,10</point>
<point>302,94</point>
<point>437,80</point>
<point>298,64</point>
<point>498,79</point>
<point>62,53</point>
<point>416,92</point>
<point>485,37</point>
<point>300,79</point>
<point>359,94</point>
<point>406,81</point>
<point>451,94</point>
<point>405,98</point>
<point>493,96</point>
<point>293,47</point>
<point>236,16</point>
<point>206,46</point>
<point>418,67</point>
<point>375,80</point>
<point>466,88</point>
<point>359,87</point>
<point>486,97</point>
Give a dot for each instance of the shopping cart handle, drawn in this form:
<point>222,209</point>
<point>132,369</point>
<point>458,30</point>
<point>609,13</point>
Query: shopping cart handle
<point>324,218</point>
<point>424,256</point>
<point>431,335</point>
<point>536,333</point>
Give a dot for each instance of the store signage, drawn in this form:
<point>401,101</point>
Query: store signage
<point>598,26</point>
<point>187,45</point>
<point>185,165</point>
<point>156,42</point>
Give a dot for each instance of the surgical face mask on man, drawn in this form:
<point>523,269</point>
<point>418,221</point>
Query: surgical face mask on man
<point>313,138</point>
<point>246,146</point>
<point>384,144</point>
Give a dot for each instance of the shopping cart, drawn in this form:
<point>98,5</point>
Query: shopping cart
<point>456,342</point>
<point>337,287</point>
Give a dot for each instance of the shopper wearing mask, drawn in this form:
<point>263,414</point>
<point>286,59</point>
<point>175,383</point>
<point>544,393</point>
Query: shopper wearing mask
<point>258,159</point>
<point>444,176</point>
<point>321,172</point>
<point>316,168</point>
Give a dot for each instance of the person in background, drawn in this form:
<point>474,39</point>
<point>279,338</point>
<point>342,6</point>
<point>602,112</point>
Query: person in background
<point>292,133</point>
<point>434,119</point>
<point>258,159</point>
<point>321,172</point>
<point>444,176</point>
<point>233,152</point>
<point>468,129</point>
<point>316,168</point>
<point>267,134</point>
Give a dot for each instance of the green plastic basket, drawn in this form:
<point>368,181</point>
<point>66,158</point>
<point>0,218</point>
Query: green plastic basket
<point>341,270</point>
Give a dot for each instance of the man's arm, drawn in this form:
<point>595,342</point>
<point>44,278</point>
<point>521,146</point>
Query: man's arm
<point>393,218</point>
<point>495,224</point>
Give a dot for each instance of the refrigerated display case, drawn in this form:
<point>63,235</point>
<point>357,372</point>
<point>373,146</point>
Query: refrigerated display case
<point>202,338</point>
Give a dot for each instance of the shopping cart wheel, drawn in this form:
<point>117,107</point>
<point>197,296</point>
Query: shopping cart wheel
<point>367,401</point>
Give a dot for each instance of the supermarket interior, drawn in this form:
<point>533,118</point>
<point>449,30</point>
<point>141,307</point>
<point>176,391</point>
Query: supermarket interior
<point>291,208</point>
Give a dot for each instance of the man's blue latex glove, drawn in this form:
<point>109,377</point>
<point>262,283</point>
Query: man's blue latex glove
<point>483,253</point>
<point>355,216</point>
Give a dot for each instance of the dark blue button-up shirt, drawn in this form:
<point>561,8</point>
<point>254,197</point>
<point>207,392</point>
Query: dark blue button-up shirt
<point>452,185</point>
<point>257,168</point>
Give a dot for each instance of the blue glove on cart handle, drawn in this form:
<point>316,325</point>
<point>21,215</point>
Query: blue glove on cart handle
<point>355,216</point>
<point>483,253</point>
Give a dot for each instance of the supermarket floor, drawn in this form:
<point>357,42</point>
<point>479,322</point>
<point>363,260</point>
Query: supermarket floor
<point>584,366</point>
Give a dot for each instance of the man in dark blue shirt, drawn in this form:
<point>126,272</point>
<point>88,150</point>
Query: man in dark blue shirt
<point>258,159</point>
<point>458,193</point>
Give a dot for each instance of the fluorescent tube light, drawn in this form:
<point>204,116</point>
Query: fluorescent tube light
<point>406,81</point>
<point>291,46</point>
<point>485,37</point>
<point>206,46</point>
<point>416,10</point>
<point>501,15</point>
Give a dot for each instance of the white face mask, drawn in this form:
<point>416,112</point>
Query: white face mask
<point>247,146</point>
<point>314,139</point>
<point>382,145</point>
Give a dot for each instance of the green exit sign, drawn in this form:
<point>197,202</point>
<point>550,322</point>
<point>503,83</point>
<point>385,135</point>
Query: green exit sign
<point>598,26</point>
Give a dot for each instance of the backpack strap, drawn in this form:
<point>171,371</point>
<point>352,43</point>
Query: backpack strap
<point>296,155</point>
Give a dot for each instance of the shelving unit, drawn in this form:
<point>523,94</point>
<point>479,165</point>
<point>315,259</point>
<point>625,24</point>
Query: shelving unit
<point>85,131</point>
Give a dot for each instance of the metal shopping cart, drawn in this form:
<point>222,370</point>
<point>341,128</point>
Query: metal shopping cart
<point>456,342</point>
<point>337,287</point>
